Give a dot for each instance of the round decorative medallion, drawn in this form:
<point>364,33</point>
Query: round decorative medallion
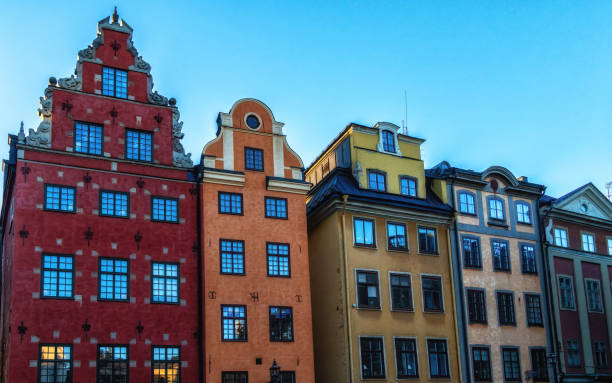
<point>252,121</point>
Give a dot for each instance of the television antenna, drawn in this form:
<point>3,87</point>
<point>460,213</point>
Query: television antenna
<point>609,187</point>
<point>405,120</point>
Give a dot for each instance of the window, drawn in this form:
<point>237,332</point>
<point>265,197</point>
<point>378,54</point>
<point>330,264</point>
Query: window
<point>166,364</point>
<point>364,232</point>
<point>593,293</point>
<point>276,207</point>
<point>396,236</point>
<point>232,257</point>
<point>252,121</point>
<point>588,242</point>
<point>164,209</point>
<point>234,322</point>
<point>523,214</point>
<point>528,260</point>
<point>427,240</point>
<point>481,360</point>
<point>59,198</point>
<point>57,276</point>
<point>599,354</point>
<point>539,364</point>
<point>438,358</point>
<point>165,282</point>
<point>501,258</point>
<point>372,358</point>
<point>55,363</point>
<point>496,208</point>
<point>287,377</point>
<point>278,260</point>
<point>610,246</point>
<point>566,292</point>
<point>253,159</point>
<point>281,324</point>
<point>477,306</point>
<point>113,279</point>
<point>406,358</point>
<point>466,203</point>
<point>432,293</point>
<point>388,140</point>
<point>512,366</point>
<point>377,180</point>
<point>560,237</point>
<point>114,82</point>
<point>534,310</point>
<point>112,364</point>
<point>114,204</point>
<point>573,353</point>
<point>505,308</point>
<point>401,292</point>
<point>408,186</point>
<point>230,203</point>
<point>234,377</point>
<point>367,290</point>
<point>139,145</point>
<point>87,138</point>
<point>471,252</point>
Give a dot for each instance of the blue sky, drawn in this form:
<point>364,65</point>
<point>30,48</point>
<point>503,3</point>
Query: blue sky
<point>526,85</point>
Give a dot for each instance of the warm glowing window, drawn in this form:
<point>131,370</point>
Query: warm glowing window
<point>166,364</point>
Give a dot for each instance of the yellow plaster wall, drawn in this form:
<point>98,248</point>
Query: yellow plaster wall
<point>438,186</point>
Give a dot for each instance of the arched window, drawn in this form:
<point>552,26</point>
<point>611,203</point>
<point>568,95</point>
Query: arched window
<point>523,213</point>
<point>388,141</point>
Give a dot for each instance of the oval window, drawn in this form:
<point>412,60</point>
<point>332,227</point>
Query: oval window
<point>252,121</point>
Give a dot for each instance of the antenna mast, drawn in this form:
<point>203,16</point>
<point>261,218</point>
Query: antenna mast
<point>609,186</point>
<point>405,122</point>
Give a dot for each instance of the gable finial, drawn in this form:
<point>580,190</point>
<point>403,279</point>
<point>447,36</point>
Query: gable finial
<point>115,18</point>
<point>21,136</point>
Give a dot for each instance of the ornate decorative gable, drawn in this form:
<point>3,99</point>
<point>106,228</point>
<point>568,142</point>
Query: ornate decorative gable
<point>587,200</point>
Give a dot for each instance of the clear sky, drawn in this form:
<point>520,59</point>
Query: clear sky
<point>522,84</point>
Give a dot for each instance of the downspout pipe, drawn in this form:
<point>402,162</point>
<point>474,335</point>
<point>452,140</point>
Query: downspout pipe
<point>346,290</point>
<point>200,276</point>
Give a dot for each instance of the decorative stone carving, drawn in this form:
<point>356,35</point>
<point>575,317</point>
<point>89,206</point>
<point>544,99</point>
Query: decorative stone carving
<point>42,135</point>
<point>139,63</point>
<point>88,53</point>
<point>178,152</point>
<point>72,83</point>
<point>21,136</point>
<point>157,99</point>
<point>357,172</point>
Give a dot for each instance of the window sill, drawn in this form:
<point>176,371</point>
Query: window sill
<point>508,324</point>
<point>226,213</point>
<point>402,310</point>
<point>433,254</point>
<point>407,377</point>
<point>540,325</point>
<point>398,250</point>
<point>433,311</point>
<point>534,273</point>
<point>369,308</point>
<point>236,274</point>
<point>479,323</point>
<point>166,303</point>
<point>272,217</point>
<point>254,170</point>
<point>113,216</point>
<point>528,224</point>
<point>498,223</point>
<point>502,271</point>
<point>472,267</point>
<point>160,221</point>
<point>473,215</point>
<point>235,340</point>
<point>60,211</point>
<point>60,298</point>
<point>281,341</point>
<point>372,247</point>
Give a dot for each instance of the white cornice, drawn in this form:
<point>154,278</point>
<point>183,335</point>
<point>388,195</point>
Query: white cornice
<point>224,178</point>
<point>288,186</point>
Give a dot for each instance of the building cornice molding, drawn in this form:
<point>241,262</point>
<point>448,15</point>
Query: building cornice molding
<point>287,186</point>
<point>217,176</point>
<point>571,216</point>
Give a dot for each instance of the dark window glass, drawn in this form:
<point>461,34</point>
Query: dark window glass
<point>534,310</point>
<point>364,232</point>
<point>59,198</point>
<point>477,306</point>
<point>165,282</point>
<point>466,203</point>
<point>438,358</point>
<point>114,82</point>
<point>234,377</point>
<point>406,358</point>
<point>401,292</point>
<point>281,324</point>
<point>539,364</point>
<point>87,138</point>
<point>593,293</point>
<point>471,252</point>
<point>408,186</point>
<point>481,359</point>
<point>114,204</point>
<point>55,363</point>
<point>287,377</point>
<point>427,240</point>
<point>496,209</point>
<point>276,207</point>
<point>599,354</point>
<point>166,364</point>
<point>396,236</point>
<point>253,159</point>
<point>139,145</point>
<point>512,366</point>
<point>432,293</point>
<point>114,277</point>
<point>232,257</point>
<point>505,308</point>
<point>57,276</point>
<point>164,209</point>
<point>377,180</point>
<point>573,353</point>
<point>501,258</point>
<point>372,358</point>
<point>252,121</point>
<point>367,290</point>
<point>234,322</point>
<point>388,141</point>
<point>523,215</point>
<point>566,292</point>
<point>278,259</point>
<point>112,364</point>
<point>230,203</point>
<point>528,260</point>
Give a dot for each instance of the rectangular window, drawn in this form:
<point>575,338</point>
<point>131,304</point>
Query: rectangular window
<point>560,237</point>
<point>496,209</point>
<point>431,287</point>
<point>523,214</point>
<point>401,292</point>
<point>372,358</point>
<point>438,358</point>
<point>539,364</point>
<point>253,159</point>
<point>55,363</point>
<point>566,292</point>
<point>396,236</point>
<point>88,138</point>
<point>377,180</point>
<point>467,204</point>
<point>57,276</point>
<point>367,290</point>
<point>230,203</point>
<point>276,207</point>
<point>165,282</point>
<point>234,377</point>
<point>408,186</point>
<point>278,260</point>
<point>234,322</point>
<point>166,364</point>
<point>138,145</point>
<point>164,209</point>
<point>281,324</point>
<point>364,232</point>
<point>477,306</point>
<point>114,204</point>
<point>427,240</point>
<point>512,365</point>
<point>610,246</point>
<point>593,293</point>
<point>501,258</point>
<point>287,377</point>
<point>60,198</point>
<point>573,353</point>
<point>534,310</point>
<point>113,278</point>
<point>505,308</point>
<point>481,361</point>
<point>112,364</point>
<point>588,242</point>
<point>388,140</point>
<point>528,260</point>
<point>114,82</point>
<point>471,252</point>
<point>406,358</point>
<point>599,354</point>
<point>232,257</point>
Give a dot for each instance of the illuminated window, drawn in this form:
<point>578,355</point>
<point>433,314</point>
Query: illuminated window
<point>138,145</point>
<point>55,363</point>
<point>234,322</point>
<point>164,209</point>
<point>112,364</point>
<point>60,198</point>
<point>166,364</point>
<point>276,207</point>
<point>281,324</point>
<point>230,203</point>
<point>114,279</point>
<point>114,204</point>
<point>278,260</point>
<point>165,282</point>
<point>114,82</point>
<point>87,138</point>
<point>58,276</point>
<point>232,257</point>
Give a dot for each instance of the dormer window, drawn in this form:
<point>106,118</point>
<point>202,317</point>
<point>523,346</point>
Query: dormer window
<point>388,141</point>
<point>114,82</point>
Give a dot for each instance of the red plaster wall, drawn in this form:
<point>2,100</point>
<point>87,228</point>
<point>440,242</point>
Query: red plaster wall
<point>575,238</point>
<point>597,321</point>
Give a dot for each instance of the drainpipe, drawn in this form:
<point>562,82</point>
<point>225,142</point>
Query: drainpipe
<point>348,306</point>
<point>199,185</point>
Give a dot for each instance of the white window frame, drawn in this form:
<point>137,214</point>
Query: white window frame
<point>561,229</point>
<point>380,300</point>
<point>585,235</point>
<point>384,350</point>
